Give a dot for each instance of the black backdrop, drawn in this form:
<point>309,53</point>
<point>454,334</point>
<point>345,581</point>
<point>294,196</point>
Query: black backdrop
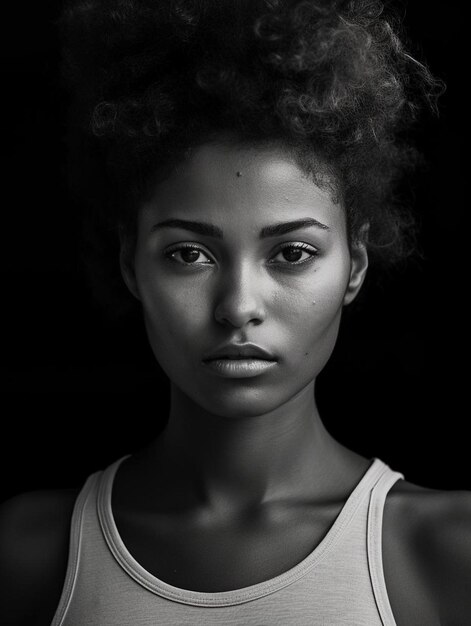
<point>80,391</point>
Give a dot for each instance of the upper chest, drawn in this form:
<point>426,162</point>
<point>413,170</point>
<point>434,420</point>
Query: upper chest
<point>220,557</point>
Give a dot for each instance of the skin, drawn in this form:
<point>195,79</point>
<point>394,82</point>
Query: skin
<point>232,445</point>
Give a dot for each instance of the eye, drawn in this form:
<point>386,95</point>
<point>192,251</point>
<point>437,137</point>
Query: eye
<point>293,254</point>
<point>189,254</point>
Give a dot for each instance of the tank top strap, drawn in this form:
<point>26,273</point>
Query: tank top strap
<point>374,541</point>
<point>86,498</point>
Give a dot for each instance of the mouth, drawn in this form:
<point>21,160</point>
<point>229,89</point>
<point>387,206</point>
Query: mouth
<point>239,352</point>
<point>239,367</point>
<point>242,360</point>
<point>250,357</point>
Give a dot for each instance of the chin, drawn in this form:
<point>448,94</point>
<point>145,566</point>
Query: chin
<point>245,399</point>
<point>238,403</point>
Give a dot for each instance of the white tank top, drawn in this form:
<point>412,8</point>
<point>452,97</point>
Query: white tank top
<point>341,582</point>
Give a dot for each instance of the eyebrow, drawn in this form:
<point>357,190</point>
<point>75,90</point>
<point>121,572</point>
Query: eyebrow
<point>274,230</point>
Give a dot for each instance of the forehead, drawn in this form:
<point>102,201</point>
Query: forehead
<point>238,184</point>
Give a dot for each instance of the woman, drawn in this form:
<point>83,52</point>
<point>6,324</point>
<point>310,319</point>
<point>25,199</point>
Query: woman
<point>246,155</point>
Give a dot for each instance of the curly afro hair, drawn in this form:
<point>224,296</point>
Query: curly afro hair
<point>330,80</point>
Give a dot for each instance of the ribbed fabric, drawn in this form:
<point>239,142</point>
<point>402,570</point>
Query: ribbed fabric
<point>341,582</point>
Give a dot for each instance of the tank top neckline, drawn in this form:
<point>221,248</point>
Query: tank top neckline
<point>236,596</point>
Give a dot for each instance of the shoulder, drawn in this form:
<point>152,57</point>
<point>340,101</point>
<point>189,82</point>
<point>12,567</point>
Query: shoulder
<point>448,554</point>
<point>34,547</point>
<point>434,528</point>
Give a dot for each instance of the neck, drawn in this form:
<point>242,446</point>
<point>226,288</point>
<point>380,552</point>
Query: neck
<point>226,464</point>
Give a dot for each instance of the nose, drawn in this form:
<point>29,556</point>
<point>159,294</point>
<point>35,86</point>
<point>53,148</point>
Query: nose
<point>240,300</point>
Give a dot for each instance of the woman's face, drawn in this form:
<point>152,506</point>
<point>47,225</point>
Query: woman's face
<point>236,281</point>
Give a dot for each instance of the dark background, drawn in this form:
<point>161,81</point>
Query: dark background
<point>82,391</point>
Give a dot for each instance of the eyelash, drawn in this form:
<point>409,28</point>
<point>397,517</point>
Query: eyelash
<point>298,246</point>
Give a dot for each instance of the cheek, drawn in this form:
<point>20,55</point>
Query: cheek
<point>315,313</point>
<point>172,319</point>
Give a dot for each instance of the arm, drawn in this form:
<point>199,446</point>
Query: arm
<point>34,545</point>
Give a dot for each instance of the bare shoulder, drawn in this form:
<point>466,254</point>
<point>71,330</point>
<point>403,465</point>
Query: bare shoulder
<point>427,554</point>
<point>34,547</point>
<point>448,555</point>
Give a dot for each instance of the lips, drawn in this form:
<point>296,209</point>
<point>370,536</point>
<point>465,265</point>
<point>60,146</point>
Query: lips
<point>240,351</point>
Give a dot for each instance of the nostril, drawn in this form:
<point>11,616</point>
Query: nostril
<point>238,314</point>
<point>238,321</point>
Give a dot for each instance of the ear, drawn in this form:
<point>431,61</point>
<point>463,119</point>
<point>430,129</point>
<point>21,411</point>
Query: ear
<point>126,264</point>
<point>359,265</point>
